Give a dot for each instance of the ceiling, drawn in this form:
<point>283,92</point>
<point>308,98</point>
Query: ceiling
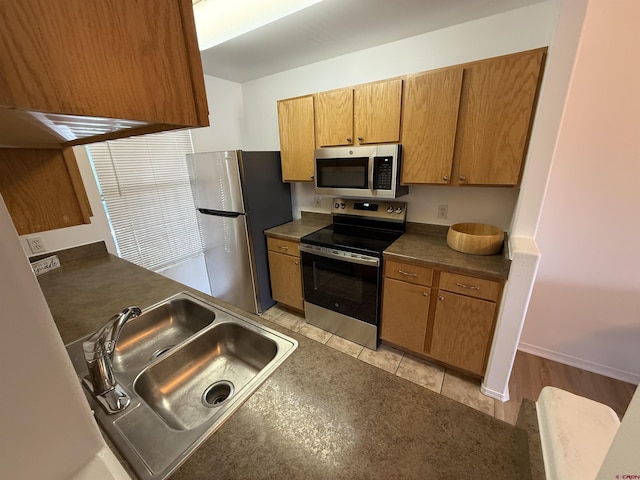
<point>337,27</point>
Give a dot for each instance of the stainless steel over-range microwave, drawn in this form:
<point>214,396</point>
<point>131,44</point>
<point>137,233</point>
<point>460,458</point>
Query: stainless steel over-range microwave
<point>371,171</point>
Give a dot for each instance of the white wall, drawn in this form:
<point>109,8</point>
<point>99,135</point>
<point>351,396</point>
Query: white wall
<point>517,30</point>
<point>192,272</point>
<point>225,117</point>
<point>585,305</point>
<point>622,458</point>
<point>47,427</point>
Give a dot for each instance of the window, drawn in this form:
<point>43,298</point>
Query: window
<point>145,189</point>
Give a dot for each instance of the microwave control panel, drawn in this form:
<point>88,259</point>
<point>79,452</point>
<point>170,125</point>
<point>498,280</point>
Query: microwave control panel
<point>382,173</point>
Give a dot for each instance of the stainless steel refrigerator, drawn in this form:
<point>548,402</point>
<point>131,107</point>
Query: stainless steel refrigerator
<point>238,195</point>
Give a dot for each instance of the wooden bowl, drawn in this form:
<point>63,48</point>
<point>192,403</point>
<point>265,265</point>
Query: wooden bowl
<point>475,238</point>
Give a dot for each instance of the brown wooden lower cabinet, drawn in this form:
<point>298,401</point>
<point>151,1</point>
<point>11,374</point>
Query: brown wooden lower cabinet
<point>404,312</point>
<point>285,273</point>
<point>462,331</point>
<point>423,317</point>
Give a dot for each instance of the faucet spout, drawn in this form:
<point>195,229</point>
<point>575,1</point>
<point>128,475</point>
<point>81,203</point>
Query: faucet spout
<point>98,353</point>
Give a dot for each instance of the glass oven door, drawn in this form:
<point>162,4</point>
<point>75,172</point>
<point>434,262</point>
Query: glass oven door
<point>339,282</point>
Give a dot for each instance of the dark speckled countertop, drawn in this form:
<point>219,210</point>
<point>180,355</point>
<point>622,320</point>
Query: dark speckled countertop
<point>427,245</point>
<point>321,415</point>
<point>422,244</point>
<point>295,230</point>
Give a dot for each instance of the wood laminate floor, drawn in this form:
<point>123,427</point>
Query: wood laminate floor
<point>531,373</point>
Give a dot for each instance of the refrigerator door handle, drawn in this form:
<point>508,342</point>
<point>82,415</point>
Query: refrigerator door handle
<point>219,213</point>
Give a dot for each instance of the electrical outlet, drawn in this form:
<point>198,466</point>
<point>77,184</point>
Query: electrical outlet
<point>318,201</point>
<point>36,244</point>
<point>443,210</point>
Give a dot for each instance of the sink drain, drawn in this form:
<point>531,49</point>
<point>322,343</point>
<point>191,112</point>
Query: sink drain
<point>160,352</point>
<point>217,393</point>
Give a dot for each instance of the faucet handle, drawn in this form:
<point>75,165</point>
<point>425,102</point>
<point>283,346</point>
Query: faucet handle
<point>93,348</point>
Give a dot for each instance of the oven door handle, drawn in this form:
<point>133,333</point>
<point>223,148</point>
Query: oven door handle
<point>362,260</point>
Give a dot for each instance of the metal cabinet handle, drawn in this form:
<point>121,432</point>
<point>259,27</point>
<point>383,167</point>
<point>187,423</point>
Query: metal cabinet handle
<point>408,274</point>
<point>470,287</point>
<point>283,248</point>
<point>441,298</point>
<point>462,178</point>
<point>445,178</point>
<point>349,139</point>
<point>296,263</point>
<point>425,294</point>
<point>360,139</point>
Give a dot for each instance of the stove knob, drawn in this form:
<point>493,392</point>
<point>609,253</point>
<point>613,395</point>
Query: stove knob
<point>336,205</point>
<point>343,205</point>
<point>390,210</point>
<point>399,210</point>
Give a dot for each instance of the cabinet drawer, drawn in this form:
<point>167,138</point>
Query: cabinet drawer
<point>471,286</point>
<point>408,273</point>
<point>288,247</point>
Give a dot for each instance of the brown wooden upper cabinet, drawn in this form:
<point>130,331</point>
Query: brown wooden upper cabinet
<point>42,189</point>
<point>297,138</point>
<point>470,124</point>
<point>429,119</point>
<point>89,70</point>
<point>361,115</point>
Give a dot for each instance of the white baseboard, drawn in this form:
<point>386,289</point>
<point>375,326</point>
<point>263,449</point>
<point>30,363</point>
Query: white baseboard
<point>502,396</point>
<point>581,363</point>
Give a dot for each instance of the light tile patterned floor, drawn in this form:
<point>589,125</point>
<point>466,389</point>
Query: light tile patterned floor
<point>421,372</point>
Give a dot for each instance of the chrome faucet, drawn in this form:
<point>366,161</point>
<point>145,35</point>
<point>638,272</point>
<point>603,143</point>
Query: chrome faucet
<point>98,353</point>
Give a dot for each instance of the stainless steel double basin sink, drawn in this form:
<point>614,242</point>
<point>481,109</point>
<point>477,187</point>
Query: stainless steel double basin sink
<point>187,366</point>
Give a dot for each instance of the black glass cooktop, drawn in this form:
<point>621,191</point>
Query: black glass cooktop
<point>362,240</point>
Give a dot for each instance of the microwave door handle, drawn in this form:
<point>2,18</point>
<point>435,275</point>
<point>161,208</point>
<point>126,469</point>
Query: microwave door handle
<point>371,163</point>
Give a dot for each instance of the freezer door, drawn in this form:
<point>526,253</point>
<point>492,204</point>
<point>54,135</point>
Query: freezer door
<point>226,253</point>
<point>215,181</point>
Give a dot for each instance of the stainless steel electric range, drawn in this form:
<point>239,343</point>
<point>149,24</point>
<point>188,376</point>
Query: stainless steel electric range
<point>342,267</point>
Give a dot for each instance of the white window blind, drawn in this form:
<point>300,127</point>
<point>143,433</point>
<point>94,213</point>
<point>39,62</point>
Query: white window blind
<point>144,184</point>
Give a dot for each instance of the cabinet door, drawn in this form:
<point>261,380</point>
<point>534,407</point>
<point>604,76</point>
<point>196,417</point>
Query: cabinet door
<point>405,308</point>
<point>334,118</point>
<point>297,138</point>
<point>429,119</point>
<point>112,59</point>
<point>286,280</point>
<point>496,110</point>
<point>42,189</point>
<point>462,331</point>
<point>377,112</point>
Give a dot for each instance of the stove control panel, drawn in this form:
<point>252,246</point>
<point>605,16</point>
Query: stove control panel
<point>370,208</point>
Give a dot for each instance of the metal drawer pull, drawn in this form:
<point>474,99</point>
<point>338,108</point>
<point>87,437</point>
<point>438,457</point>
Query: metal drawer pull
<point>425,294</point>
<point>408,274</point>
<point>441,298</point>
<point>296,263</point>
<point>283,248</point>
<point>470,287</point>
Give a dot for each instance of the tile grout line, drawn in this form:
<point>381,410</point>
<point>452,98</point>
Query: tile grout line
<point>398,367</point>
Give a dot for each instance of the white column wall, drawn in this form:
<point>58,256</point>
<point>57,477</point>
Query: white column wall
<point>48,430</point>
<point>522,243</point>
<point>585,305</point>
